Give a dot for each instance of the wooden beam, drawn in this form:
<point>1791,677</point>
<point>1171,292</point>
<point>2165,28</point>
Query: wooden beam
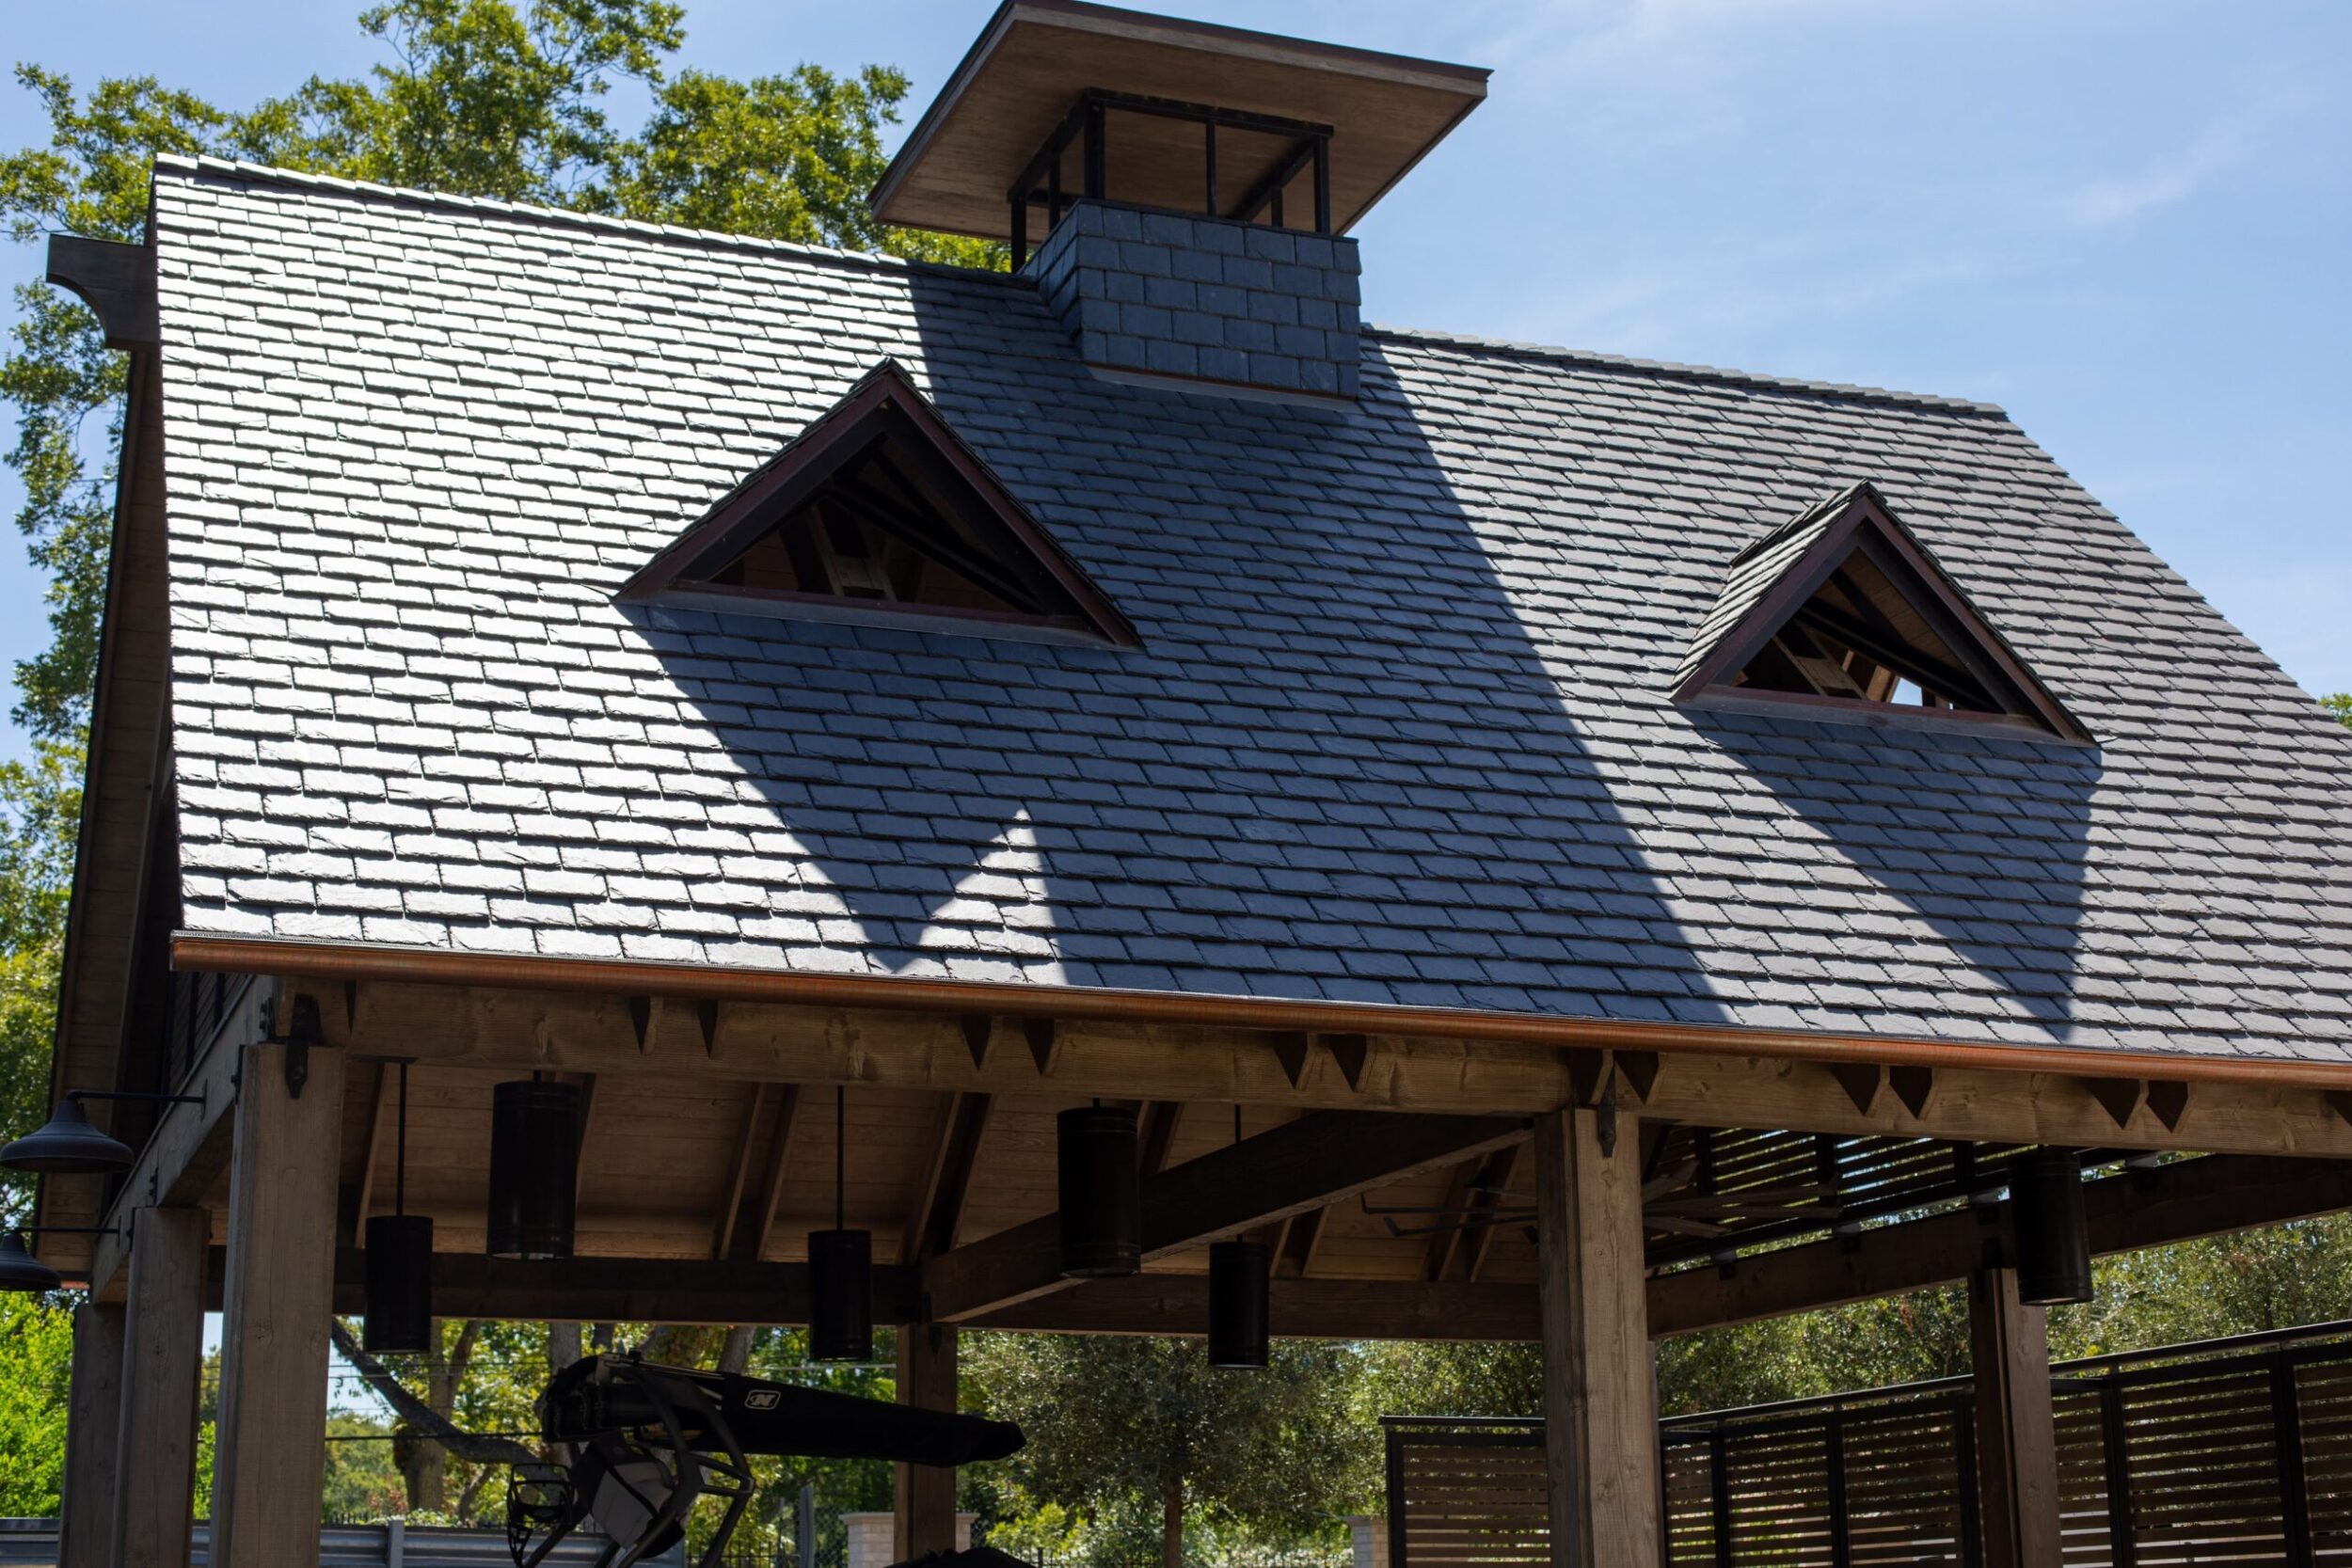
<point>1177,1304</point>
<point>625,1290</point>
<point>270,1445</point>
<point>186,1153</point>
<point>1600,1407</point>
<point>162,1365</point>
<point>380,1096</point>
<point>1505,1165</point>
<point>740,1171</point>
<point>86,1515</point>
<point>2016,1431</point>
<point>923,1496</point>
<point>1446,1240</point>
<point>1129,1060</point>
<point>2178,1202</point>
<point>945,1177</point>
<point>1290,1171</point>
<point>1156,1134</point>
<point>747,1238</point>
<point>1300,1242</point>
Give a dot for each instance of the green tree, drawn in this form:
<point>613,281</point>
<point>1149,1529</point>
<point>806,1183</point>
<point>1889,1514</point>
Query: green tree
<point>2341,706</point>
<point>40,805</point>
<point>1143,1437</point>
<point>35,1362</point>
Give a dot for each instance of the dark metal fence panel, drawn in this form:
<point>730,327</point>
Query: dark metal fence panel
<point>1467,1495</point>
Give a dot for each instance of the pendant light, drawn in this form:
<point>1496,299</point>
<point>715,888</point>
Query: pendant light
<point>1240,1287</point>
<point>68,1146</point>
<point>2050,1229</point>
<point>1102,1207</point>
<point>534,1168</point>
<point>840,1268</point>
<point>399,1315</point>
<point>20,1270</point>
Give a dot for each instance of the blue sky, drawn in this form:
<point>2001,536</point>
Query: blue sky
<point>2127,221</point>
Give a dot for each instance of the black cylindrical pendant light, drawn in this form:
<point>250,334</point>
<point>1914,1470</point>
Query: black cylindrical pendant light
<point>20,1270</point>
<point>1102,1209</point>
<point>840,1269</point>
<point>2050,1229</point>
<point>1241,1326</point>
<point>399,1306</point>
<point>534,1168</point>
<point>67,1146</point>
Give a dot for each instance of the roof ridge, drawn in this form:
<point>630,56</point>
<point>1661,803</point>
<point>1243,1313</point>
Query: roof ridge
<point>527,212</point>
<point>411,196</point>
<point>1506,348</point>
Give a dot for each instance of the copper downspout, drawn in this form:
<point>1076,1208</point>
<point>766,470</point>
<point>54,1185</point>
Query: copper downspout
<point>431,966</point>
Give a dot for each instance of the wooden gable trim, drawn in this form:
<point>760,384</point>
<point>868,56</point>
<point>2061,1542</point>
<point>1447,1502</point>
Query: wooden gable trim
<point>1868,524</point>
<point>838,437</point>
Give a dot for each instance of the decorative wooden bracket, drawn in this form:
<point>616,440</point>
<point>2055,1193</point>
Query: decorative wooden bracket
<point>2119,1097</point>
<point>979,1033</point>
<point>2340,1102</point>
<point>706,1014</point>
<point>1290,1048</point>
<point>116,281</point>
<point>1588,1074</point>
<point>2168,1099</point>
<point>1352,1053</point>
<point>1862,1082</point>
<point>1044,1044</point>
<point>1914,1085</point>
<point>645,1016</point>
<point>1639,1069</point>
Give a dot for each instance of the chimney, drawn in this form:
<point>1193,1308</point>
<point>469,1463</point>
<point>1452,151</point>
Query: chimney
<point>1180,193</point>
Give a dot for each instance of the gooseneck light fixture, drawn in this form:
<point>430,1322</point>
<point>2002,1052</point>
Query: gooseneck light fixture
<point>1102,1205</point>
<point>840,1268</point>
<point>399,1306</point>
<point>534,1168</point>
<point>1240,1286</point>
<point>68,1145</point>
<point>2050,1226</point>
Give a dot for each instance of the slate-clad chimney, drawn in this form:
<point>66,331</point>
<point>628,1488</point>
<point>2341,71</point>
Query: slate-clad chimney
<point>1179,193</point>
<point>1207,297</point>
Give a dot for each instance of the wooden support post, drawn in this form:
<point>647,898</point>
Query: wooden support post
<point>270,1449</point>
<point>162,1361</point>
<point>2016,1434</point>
<point>1600,1403</point>
<point>924,1495</point>
<point>86,1522</point>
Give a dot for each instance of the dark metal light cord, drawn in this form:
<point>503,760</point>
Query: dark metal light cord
<point>400,1149</point>
<point>1237,1121</point>
<point>840,1156</point>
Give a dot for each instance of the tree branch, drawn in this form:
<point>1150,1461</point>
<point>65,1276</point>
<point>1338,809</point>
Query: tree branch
<point>426,1420</point>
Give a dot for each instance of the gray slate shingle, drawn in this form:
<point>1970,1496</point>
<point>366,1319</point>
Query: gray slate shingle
<point>1400,731</point>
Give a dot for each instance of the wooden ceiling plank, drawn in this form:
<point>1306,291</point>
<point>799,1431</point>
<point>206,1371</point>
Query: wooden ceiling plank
<point>750,1236</point>
<point>947,1175</point>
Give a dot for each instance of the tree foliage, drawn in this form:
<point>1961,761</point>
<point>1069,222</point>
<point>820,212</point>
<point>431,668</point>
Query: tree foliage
<point>1142,1438</point>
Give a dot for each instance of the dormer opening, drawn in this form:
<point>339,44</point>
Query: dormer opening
<point>1842,610</point>
<point>878,515</point>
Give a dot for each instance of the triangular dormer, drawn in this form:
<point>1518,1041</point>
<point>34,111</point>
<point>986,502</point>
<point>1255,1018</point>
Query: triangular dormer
<point>878,514</point>
<point>1842,611</point>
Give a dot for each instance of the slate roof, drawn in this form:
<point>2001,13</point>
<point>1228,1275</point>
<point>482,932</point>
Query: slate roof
<point>1399,730</point>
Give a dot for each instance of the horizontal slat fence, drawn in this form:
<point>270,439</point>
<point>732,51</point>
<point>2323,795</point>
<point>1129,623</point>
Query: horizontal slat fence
<point>2231,1451</point>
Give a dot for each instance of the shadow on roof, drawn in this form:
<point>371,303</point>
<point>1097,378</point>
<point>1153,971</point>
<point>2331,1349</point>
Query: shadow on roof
<point>1337,768</point>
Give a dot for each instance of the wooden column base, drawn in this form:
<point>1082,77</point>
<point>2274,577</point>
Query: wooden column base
<point>2016,1433</point>
<point>93,1419</point>
<point>924,1495</point>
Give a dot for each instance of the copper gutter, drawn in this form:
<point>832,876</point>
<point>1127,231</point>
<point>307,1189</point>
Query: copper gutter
<point>626,977</point>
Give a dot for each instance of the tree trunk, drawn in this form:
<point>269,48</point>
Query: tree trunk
<point>1172,1526</point>
<point>736,1355</point>
<point>563,1346</point>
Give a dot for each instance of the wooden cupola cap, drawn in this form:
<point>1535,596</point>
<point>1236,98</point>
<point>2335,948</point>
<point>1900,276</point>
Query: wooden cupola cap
<point>1036,58</point>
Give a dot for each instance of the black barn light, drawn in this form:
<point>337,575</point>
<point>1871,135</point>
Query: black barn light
<point>840,1269</point>
<point>534,1168</point>
<point>70,1145</point>
<point>2050,1226</point>
<point>19,1271</point>
<point>1102,1207</point>
<point>399,1306</point>
<point>1241,1274</point>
